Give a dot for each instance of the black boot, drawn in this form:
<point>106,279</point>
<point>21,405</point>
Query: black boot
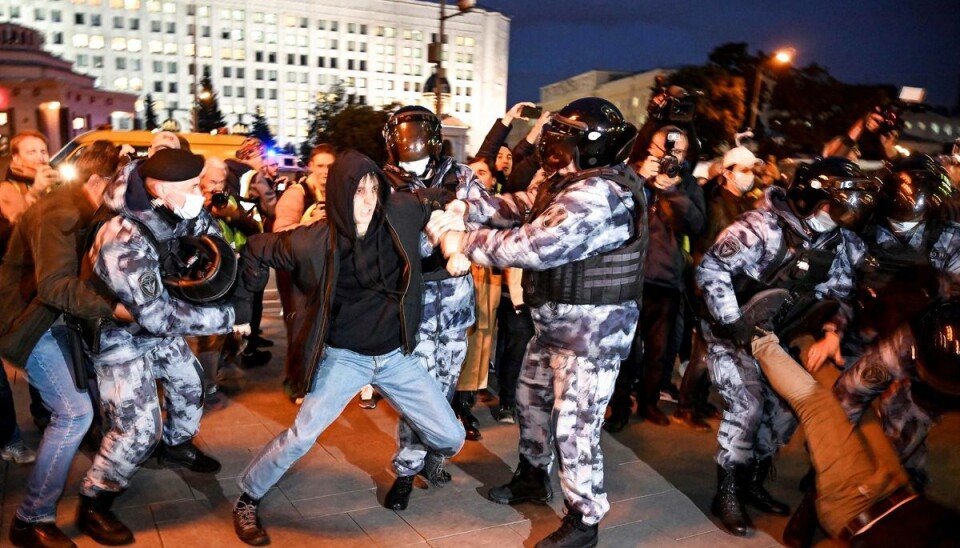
<point>755,495</point>
<point>573,533</point>
<point>189,456</point>
<point>433,470</point>
<point>726,503</point>
<point>44,534</point>
<point>529,484</point>
<point>246,521</point>
<point>803,523</point>
<point>399,495</point>
<point>463,406</point>
<point>96,520</point>
<point>619,418</point>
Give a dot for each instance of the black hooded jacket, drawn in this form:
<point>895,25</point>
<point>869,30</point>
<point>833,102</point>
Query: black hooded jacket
<point>313,254</point>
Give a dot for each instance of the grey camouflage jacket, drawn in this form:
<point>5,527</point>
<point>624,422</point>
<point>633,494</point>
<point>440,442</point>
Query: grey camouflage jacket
<point>586,218</point>
<point>129,266</point>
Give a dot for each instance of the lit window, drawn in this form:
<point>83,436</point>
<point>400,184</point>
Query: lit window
<point>169,7</point>
<point>238,15</point>
<point>153,5</point>
<point>170,48</point>
<point>239,54</point>
<point>459,40</point>
<point>116,4</point>
<point>118,44</point>
<point>226,109</point>
<point>290,95</point>
<point>131,5</point>
<point>136,84</point>
<point>96,42</point>
<point>204,11</point>
<point>120,83</point>
<point>271,38</point>
<point>469,42</point>
<point>257,36</point>
<point>290,132</point>
<point>271,18</point>
<point>226,53</point>
<point>80,40</point>
<point>303,95</point>
<point>160,104</point>
<point>290,21</point>
<point>290,40</point>
<point>205,51</point>
<point>134,45</point>
<point>271,112</point>
<point>258,17</point>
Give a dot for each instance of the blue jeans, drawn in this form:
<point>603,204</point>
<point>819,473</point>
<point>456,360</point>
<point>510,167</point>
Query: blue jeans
<point>400,379</point>
<point>48,370</point>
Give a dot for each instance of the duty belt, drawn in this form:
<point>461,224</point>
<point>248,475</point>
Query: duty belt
<point>877,511</point>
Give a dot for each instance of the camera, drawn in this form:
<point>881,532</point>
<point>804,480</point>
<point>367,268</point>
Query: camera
<point>531,113</point>
<point>219,199</point>
<point>671,104</point>
<point>892,114</point>
<point>669,164</point>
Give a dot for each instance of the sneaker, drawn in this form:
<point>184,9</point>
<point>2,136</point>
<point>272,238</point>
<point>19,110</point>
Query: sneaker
<point>254,358</point>
<point>506,414</point>
<point>18,452</point>
<point>255,342</point>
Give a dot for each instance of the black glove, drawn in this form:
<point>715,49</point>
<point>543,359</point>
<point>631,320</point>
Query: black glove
<point>740,332</point>
<point>242,302</point>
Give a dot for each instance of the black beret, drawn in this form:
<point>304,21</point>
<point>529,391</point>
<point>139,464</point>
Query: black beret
<point>170,164</point>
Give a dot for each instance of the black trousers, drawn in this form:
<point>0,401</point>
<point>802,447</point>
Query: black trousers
<point>8,413</point>
<point>516,330</point>
<point>652,347</point>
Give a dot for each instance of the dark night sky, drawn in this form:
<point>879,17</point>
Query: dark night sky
<point>899,42</point>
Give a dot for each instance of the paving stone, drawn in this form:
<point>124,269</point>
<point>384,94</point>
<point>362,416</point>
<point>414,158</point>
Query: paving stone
<point>670,512</point>
<point>502,536</point>
<point>338,503</point>
<point>386,527</point>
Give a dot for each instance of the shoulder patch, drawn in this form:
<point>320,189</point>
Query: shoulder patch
<point>149,284</point>
<point>728,247</point>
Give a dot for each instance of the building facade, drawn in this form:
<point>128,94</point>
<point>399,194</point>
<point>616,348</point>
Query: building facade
<point>278,56</point>
<point>41,92</point>
<point>629,91</point>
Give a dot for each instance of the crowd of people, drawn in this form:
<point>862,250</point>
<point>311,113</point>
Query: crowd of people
<point>584,263</point>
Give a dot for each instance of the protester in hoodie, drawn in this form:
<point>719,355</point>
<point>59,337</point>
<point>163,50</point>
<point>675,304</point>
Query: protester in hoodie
<point>364,267</point>
<point>156,203</point>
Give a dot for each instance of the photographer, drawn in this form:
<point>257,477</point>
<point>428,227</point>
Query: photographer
<point>29,176</point>
<point>881,122</point>
<point>675,207</point>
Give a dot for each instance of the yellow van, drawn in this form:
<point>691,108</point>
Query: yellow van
<point>205,144</point>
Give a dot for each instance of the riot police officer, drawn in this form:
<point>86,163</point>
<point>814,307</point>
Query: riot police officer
<point>414,145</point>
<point>582,247</point>
<point>798,240</point>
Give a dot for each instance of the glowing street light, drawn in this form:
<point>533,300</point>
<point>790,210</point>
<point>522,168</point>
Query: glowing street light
<point>783,56</point>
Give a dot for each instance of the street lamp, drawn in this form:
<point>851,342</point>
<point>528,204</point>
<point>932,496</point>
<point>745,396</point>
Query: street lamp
<point>435,55</point>
<point>783,56</point>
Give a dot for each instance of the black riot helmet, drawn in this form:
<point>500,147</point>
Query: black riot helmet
<point>914,189</point>
<point>589,132</point>
<point>937,346</point>
<point>837,181</point>
<point>413,133</point>
<point>202,269</point>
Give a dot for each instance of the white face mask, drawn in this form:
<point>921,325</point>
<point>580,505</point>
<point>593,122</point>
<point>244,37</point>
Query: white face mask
<point>821,221</point>
<point>903,227</point>
<point>743,181</point>
<point>417,168</point>
<point>191,208</point>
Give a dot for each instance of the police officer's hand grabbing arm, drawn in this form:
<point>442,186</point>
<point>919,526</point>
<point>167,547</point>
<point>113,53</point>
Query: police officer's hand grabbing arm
<point>827,348</point>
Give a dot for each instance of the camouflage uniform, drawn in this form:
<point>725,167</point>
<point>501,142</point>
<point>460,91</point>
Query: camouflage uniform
<point>448,310</point>
<point>572,361</point>
<point>757,422</point>
<point>133,356</point>
<point>886,367</point>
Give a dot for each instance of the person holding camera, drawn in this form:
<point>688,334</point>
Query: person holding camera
<point>675,207</point>
<point>883,123</point>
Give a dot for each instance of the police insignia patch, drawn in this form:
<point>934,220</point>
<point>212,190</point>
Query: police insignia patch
<point>729,247</point>
<point>150,284</point>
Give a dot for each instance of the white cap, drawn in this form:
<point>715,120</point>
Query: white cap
<point>740,156</point>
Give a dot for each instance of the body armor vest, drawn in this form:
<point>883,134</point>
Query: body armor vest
<point>608,278</point>
<point>798,270</point>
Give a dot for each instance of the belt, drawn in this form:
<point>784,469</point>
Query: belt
<point>877,511</point>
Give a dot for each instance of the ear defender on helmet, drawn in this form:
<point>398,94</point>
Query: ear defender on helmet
<point>590,132</point>
<point>413,133</point>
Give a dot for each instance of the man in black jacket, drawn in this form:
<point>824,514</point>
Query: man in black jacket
<point>366,270</point>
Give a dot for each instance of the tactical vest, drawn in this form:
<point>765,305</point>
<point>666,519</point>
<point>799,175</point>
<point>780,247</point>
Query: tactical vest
<point>434,266</point>
<point>798,270</point>
<point>608,278</point>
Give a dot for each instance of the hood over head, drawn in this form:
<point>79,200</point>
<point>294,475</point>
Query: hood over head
<point>342,182</point>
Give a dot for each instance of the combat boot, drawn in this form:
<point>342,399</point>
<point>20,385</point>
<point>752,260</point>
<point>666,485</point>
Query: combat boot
<point>573,533</point>
<point>434,471</point>
<point>398,497</point>
<point>463,406</point>
<point>96,520</point>
<point>41,534</point>
<point>755,495</point>
<point>726,503</point>
<point>188,456</point>
<point>529,484</point>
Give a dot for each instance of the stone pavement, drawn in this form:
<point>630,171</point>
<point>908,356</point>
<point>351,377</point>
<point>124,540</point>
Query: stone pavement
<point>332,497</point>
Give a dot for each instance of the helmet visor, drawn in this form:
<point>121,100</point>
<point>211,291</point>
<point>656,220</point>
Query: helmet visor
<point>410,139</point>
<point>852,200</point>
<point>557,146</point>
<point>915,195</point>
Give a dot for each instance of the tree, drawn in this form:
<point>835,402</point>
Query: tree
<point>150,114</point>
<point>209,117</point>
<point>261,129</point>
<point>327,107</point>
<point>360,127</point>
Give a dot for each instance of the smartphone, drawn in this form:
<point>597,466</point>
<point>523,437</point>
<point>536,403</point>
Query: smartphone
<point>531,113</point>
<point>912,95</point>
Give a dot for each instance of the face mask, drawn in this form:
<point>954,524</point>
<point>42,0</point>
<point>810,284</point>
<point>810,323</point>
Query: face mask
<point>417,168</point>
<point>743,181</point>
<point>191,208</point>
<point>821,221</point>
<point>902,227</point>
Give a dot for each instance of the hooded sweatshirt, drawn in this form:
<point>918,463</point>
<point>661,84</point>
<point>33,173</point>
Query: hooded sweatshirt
<point>365,316</point>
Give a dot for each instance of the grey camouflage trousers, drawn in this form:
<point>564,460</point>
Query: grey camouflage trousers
<point>561,399</point>
<point>442,354</point>
<point>883,373</point>
<point>756,422</point>
<point>131,410</point>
